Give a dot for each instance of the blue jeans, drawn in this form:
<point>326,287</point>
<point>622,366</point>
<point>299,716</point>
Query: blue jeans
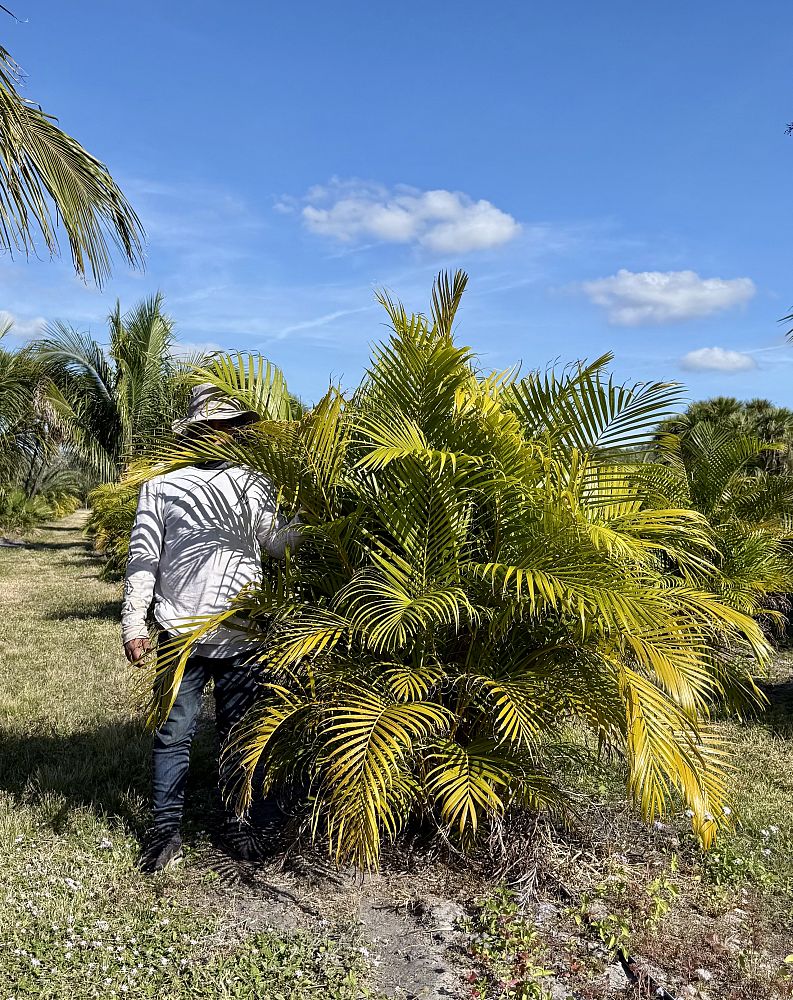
<point>235,690</point>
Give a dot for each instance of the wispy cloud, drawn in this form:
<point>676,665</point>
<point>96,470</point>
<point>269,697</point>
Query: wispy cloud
<point>438,220</point>
<point>179,213</point>
<point>320,321</point>
<point>633,299</point>
<point>190,348</point>
<point>717,359</point>
<point>23,327</point>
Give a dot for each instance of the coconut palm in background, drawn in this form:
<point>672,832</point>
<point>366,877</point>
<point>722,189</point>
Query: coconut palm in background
<point>483,569</point>
<point>47,177</point>
<point>114,403</point>
<point>38,476</point>
<point>20,378</point>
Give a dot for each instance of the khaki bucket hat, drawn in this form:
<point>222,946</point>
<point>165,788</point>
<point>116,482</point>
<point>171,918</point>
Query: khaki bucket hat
<point>207,402</point>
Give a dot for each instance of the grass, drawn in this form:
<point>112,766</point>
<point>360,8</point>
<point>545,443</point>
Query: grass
<point>77,920</point>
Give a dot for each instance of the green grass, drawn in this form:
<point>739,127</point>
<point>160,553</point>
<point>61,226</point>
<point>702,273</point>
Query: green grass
<point>77,920</point>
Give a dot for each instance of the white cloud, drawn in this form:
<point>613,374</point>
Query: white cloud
<point>665,296</point>
<point>187,348</point>
<point>442,221</point>
<point>23,328</point>
<point>717,359</point>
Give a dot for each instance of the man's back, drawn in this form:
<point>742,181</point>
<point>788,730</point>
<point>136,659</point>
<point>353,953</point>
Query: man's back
<point>196,543</point>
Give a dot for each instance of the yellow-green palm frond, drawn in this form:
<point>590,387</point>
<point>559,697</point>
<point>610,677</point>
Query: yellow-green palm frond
<point>668,756</point>
<point>388,615</point>
<point>588,411</point>
<point>309,632</point>
<point>159,686</point>
<point>716,460</point>
<point>253,381</point>
<point>465,783</point>
<point>250,745</point>
<point>765,499</point>
<point>411,681</point>
<point>512,709</point>
<point>364,743</point>
<point>447,293</point>
<point>400,439</point>
<point>468,783</point>
<point>323,439</point>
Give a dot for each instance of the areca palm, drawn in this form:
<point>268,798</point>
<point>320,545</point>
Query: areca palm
<point>114,404</point>
<point>714,469</point>
<point>47,177</point>
<point>482,567</point>
<point>758,418</point>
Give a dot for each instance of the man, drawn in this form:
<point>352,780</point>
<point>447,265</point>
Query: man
<point>197,541</point>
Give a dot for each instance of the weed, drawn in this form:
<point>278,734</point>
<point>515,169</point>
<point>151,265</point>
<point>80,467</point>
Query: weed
<point>612,929</point>
<point>661,895</point>
<point>507,948</point>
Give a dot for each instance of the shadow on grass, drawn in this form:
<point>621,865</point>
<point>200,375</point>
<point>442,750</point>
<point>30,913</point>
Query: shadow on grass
<point>105,770</point>
<point>107,610</point>
<point>778,717</point>
<point>56,546</point>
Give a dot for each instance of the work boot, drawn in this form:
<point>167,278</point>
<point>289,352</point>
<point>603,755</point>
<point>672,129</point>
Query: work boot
<point>162,846</point>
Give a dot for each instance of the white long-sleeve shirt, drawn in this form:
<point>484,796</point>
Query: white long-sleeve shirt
<point>197,541</point>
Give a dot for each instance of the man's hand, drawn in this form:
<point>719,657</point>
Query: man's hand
<point>136,649</point>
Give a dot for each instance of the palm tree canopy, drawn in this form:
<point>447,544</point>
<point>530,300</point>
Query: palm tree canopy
<point>488,561</point>
<point>114,403</point>
<point>47,177</point>
<point>724,472</point>
<point>758,418</point>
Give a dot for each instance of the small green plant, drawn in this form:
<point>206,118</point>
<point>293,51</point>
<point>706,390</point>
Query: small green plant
<point>661,895</point>
<point>506,946</point>
<point>20,514</point>
<point>613,929</point>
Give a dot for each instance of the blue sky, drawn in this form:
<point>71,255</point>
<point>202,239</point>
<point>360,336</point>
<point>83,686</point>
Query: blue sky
<point>613,176</point>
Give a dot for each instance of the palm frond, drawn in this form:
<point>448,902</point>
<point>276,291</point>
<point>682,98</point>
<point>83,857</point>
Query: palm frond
<point>364,743</point>
<point>46,176</point>
<point>252,380</point>
<point>590,412</point>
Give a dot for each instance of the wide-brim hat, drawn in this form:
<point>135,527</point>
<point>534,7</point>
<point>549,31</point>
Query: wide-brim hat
<point>207,402</point>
